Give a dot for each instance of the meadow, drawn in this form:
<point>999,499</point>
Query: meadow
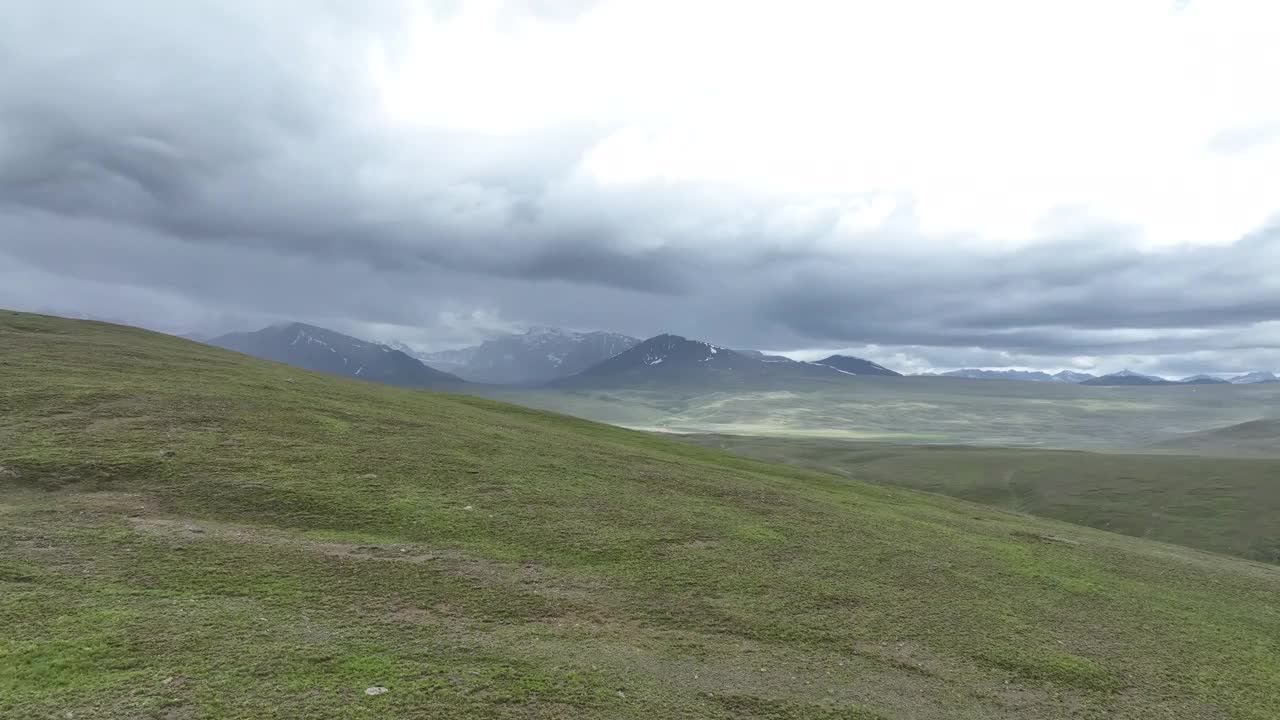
<point>190,533</point>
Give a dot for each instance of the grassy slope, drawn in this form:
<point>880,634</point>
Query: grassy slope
<point>1219,504</point>
<point>188,533</point>
<point>1258,438</point>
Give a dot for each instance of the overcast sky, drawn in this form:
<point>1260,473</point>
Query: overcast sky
<point>1085,184</point>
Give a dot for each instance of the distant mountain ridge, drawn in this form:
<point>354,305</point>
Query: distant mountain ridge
<point>1204,380</point>
<point>544,354</point>
<point>539,355</point>
<point>1128,377</point>
<point>322,350</point>
<point>671,358</point>
<point>1065,376</point>
<point>1124,377</point>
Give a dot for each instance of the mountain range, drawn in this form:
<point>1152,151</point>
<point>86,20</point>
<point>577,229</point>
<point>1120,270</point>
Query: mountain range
<point>315,348</point>
<point>566,358</point>
<point>534,357</point>
<point>1128,377</point>
<point>1065,376</point>
<point>1124,377</point>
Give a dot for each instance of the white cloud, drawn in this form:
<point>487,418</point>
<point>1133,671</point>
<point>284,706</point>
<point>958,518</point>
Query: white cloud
<point>991,114</point>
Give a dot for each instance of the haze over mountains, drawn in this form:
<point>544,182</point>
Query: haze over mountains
<point>537,356</point>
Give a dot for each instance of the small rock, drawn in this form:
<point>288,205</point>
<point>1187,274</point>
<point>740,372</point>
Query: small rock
<point>368,476</point>
<point>375,690</point>
<point>167,453</point>
<point>468,508</point>
<point>166,681</point>
<point>8,473</point>
<point>622,695</point>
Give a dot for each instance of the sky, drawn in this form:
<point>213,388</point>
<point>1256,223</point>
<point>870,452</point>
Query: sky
<point>1087,185</point>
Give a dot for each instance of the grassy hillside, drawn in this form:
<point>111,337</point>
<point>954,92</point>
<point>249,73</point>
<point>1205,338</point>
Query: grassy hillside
<point>1224,505</point>
<point>1257,438</point>
<point>189,533</point>
<point>926,410</point>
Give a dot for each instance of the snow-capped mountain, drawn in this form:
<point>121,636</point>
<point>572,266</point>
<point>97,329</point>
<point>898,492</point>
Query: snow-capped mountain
<point>315,348</point>
<point>856,366</point>
<point>1254,377</point>
<point>1128,377</point>
<point>539,355</point>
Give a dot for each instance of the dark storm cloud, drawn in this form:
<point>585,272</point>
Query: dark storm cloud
<point>244,143</point>
<point>1080,294</point>
<point>212,165</point>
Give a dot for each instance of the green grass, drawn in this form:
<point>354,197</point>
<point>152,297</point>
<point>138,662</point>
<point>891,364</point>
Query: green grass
<point>1225,505</point>
<point>189,533</point>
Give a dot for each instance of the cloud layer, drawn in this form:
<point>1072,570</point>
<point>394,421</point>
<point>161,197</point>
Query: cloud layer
<point>916,184</point>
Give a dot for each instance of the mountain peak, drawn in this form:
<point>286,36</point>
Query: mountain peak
<point>850,365</point>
